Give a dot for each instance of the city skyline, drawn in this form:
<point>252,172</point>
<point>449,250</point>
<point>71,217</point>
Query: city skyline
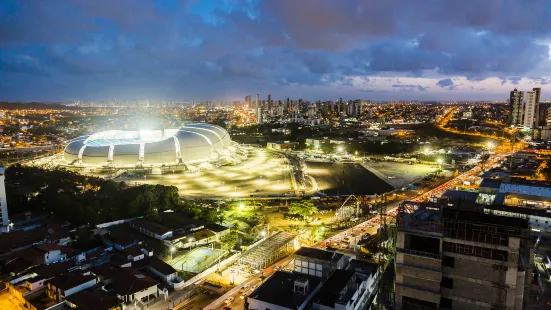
<point>226,50</point>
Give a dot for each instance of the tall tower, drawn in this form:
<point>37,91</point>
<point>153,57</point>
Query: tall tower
<point>258,114</point>
<point>538,94</point>
<point>3,203</point>
<point>516,107</point>
<point>530,109</point>
<point>248,101</point>
<point>269,101</point>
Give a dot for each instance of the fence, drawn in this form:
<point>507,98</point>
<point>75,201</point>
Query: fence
<point>210,270</point>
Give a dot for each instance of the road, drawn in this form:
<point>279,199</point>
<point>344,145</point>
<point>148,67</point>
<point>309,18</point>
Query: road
<point>232,297</point>
<point>344,239</point>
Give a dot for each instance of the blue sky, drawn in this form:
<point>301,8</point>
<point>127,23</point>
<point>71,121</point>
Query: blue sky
<point>62,50</point>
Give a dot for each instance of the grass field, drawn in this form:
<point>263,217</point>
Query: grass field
<point>197,260</point>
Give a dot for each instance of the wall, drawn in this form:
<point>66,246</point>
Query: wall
<point>53,256</point>
<point>150,291</point>
<point>81,287</point>
<point>212,269</point>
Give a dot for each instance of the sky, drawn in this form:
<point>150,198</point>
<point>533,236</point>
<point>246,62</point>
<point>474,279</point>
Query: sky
<point>66,50</point>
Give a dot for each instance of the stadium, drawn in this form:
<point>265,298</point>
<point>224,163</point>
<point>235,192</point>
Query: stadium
<point>191,144</point>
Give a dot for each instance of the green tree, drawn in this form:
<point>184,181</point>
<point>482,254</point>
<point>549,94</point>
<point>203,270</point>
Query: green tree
<point>304,208</point>
<point>230,240</point>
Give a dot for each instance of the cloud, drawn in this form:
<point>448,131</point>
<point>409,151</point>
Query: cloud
<point>409,87</point>
<point>446,83</point>
<point>190,50</point>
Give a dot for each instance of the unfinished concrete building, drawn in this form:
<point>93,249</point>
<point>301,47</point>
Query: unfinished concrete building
<point>452,256</point>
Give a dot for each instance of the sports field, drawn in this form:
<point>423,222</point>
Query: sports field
<point>197,260</point>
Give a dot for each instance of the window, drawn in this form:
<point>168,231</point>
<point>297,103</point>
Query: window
<point>445,303</point>
<point>446,282</point>
<point>448,261</point>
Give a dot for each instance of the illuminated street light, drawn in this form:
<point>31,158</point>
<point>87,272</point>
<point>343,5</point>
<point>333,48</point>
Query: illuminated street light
<point>263,233</point>
<point>172,249</point>
<point>340,149</point>
<point>241,206</point>
<point>439,161</point>
<point>490,145</point>
<point>426,150</point>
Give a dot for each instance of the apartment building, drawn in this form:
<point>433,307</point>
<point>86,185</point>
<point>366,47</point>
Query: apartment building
<point>454,256</point>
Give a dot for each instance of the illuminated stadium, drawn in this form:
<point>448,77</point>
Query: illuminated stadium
<point>193,143</point>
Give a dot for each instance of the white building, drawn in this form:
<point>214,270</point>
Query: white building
<point>530,110</point>
<point>5,222</point>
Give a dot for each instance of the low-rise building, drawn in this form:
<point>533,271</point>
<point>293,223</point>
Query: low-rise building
<point>67,284</point>
<point>317,262</point>
<point>284,290</point>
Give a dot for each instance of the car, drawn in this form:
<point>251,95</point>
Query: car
<point>226,308</point>
<point>229,300</point>
<point>243,296</point>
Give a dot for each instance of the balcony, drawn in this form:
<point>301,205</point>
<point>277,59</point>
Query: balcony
<point>419,253</point>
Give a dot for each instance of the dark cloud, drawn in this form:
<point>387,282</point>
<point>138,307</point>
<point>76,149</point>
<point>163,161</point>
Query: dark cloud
<point>409,87</point>
<point>213,49</point>
<point>446,83</point>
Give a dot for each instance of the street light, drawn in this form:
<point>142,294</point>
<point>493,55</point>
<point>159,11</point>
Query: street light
<point>172,249</point>
<point>263,233</point>
<point>340,149</point>
<point>490,145</point>
<point>426,150</point>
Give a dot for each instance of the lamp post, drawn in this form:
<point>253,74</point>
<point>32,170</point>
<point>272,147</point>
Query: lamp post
<point>171,251</point>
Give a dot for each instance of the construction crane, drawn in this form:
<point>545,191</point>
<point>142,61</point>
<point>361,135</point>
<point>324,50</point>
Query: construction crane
<point>345,211</point>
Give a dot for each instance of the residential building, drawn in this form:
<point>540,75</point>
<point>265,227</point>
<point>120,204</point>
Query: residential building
<point>258,110</point>
<point>516,107</point>
<point>93,298</point>
<point>530,110</point>
<point>67,284</point>
<point>346,290</point>
<point>318,262</point>
<point>284,290</point>
<point>454,256</point>
<point>162,270</point>
<point>133,287</point>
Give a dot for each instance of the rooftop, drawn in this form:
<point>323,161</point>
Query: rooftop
<point>332,290</point>
<point>151,226</point>
<point>362,267</point>
<point>161,266</point>
<point>279,289</point>
<point>93,298</point>
<point>319,254</point>
<point>69,280</point>
<point>128,281</point>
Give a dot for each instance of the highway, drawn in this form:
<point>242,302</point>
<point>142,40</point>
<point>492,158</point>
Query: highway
<point>343,239</point>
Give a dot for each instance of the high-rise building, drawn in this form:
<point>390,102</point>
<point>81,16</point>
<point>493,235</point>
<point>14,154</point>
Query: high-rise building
<point>270,101</point>
<point>248,102</point>
<point>529,116</point>
<point>516,107</point>
<point>3,203</point>
<point>538,94</point>
<point>454,256</point>
<point>258,110</point>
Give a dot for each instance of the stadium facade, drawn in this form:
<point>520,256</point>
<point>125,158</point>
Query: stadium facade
<point>193,143</point>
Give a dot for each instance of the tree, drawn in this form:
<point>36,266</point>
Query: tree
<point>483,159</point>
<point>230,239</point>
<point>304,208</point>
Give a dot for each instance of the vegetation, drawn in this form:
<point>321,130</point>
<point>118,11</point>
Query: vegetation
<point>303,208</point>
<point>88,200</point>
